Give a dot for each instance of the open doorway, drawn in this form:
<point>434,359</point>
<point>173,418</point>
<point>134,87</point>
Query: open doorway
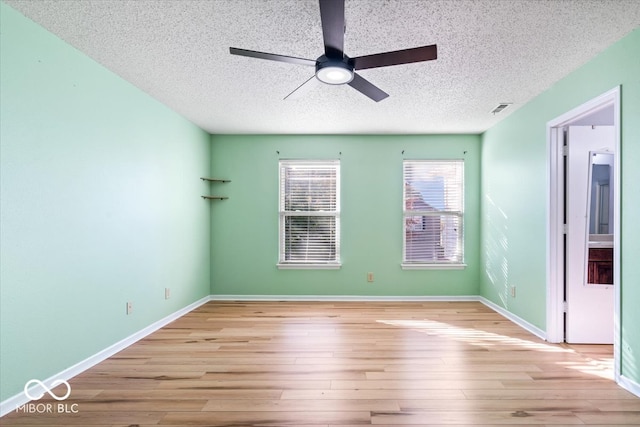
<point>601,114</point>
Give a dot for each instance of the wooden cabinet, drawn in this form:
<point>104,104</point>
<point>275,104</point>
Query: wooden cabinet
<point>600,267</point>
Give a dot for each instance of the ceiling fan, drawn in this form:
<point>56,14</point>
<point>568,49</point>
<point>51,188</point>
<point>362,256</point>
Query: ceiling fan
<point>336,68</point>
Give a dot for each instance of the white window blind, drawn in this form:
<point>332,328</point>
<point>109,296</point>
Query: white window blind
<point>309,213</point>
<point>433,212</point>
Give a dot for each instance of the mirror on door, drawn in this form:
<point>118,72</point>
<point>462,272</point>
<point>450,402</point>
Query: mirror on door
<point>600,219</point>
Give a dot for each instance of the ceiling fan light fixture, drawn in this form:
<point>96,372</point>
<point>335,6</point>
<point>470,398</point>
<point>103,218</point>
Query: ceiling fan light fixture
<point>334,73</point>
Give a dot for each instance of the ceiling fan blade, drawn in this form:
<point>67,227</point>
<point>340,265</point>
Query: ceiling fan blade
<point>302,89</point>
<point>405,56</point>
<point>271,56</point>
<point>367,88</point>
<point>332,17</point>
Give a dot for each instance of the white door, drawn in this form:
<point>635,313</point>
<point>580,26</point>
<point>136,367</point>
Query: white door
<point>589,318</point>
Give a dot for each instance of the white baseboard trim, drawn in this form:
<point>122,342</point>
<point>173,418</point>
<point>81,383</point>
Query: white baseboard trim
<point>629,385</point>
<point>14,402</point>
<point>515,319</point>
<point>339,298</point>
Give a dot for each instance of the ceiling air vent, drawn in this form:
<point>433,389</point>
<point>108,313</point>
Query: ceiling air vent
<point>500,107</point>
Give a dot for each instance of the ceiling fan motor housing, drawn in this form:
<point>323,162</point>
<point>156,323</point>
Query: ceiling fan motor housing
<point>334,71</point>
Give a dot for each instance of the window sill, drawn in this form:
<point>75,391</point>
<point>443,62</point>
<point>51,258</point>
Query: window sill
<point>293,266</point>
<point>433,266</point>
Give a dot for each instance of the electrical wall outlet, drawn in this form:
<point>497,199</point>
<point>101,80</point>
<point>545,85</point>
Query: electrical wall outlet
<point>129,307</point>
<point>369,277</point>
<point>513,291</point>
<point>167,293</point>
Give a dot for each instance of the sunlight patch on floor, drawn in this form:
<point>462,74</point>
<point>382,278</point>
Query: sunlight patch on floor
<point>600,366</point>
<point>472,336</point>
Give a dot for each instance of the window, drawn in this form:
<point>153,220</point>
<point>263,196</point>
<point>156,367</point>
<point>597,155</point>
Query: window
<point>433,213</point>
<point>309,214</point>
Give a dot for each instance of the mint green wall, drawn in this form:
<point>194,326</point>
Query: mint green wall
<point>244,243</point>
<point>100,205</point>
<point>514,193</point>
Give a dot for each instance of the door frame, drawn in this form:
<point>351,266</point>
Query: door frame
<point>555,217</point>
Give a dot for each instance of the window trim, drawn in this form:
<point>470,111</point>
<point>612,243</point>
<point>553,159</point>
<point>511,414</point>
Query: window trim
<point>434,266</point>
<point>307,265</point>
<point>439,264</point>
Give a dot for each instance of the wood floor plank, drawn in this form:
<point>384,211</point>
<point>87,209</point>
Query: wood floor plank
<point>86,418</point>
<point>267,375</point>
<point>221,359</point>
<point>345,364</point>
<point>198,394</point>
<point>616,405</point>
<point>630,418</point>
<point>471,423</point>
<point>580,384</point>
<point>305,405</point>
<point>426,384</point>
<point>267,418</point>
<point>245,384</point>
<point>489,418</point>
<point>390,394</point>
<point>152,405</point>
<point>466,368</point>
<point>513,405</point>
<point>570,393</point>
<point>448,375</point>
<point>365,361</point>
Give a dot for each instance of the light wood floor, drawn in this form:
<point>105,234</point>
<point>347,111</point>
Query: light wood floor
<point>346,364</point>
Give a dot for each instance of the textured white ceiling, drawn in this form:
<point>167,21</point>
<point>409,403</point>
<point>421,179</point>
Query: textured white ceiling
<point>489,51</point>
